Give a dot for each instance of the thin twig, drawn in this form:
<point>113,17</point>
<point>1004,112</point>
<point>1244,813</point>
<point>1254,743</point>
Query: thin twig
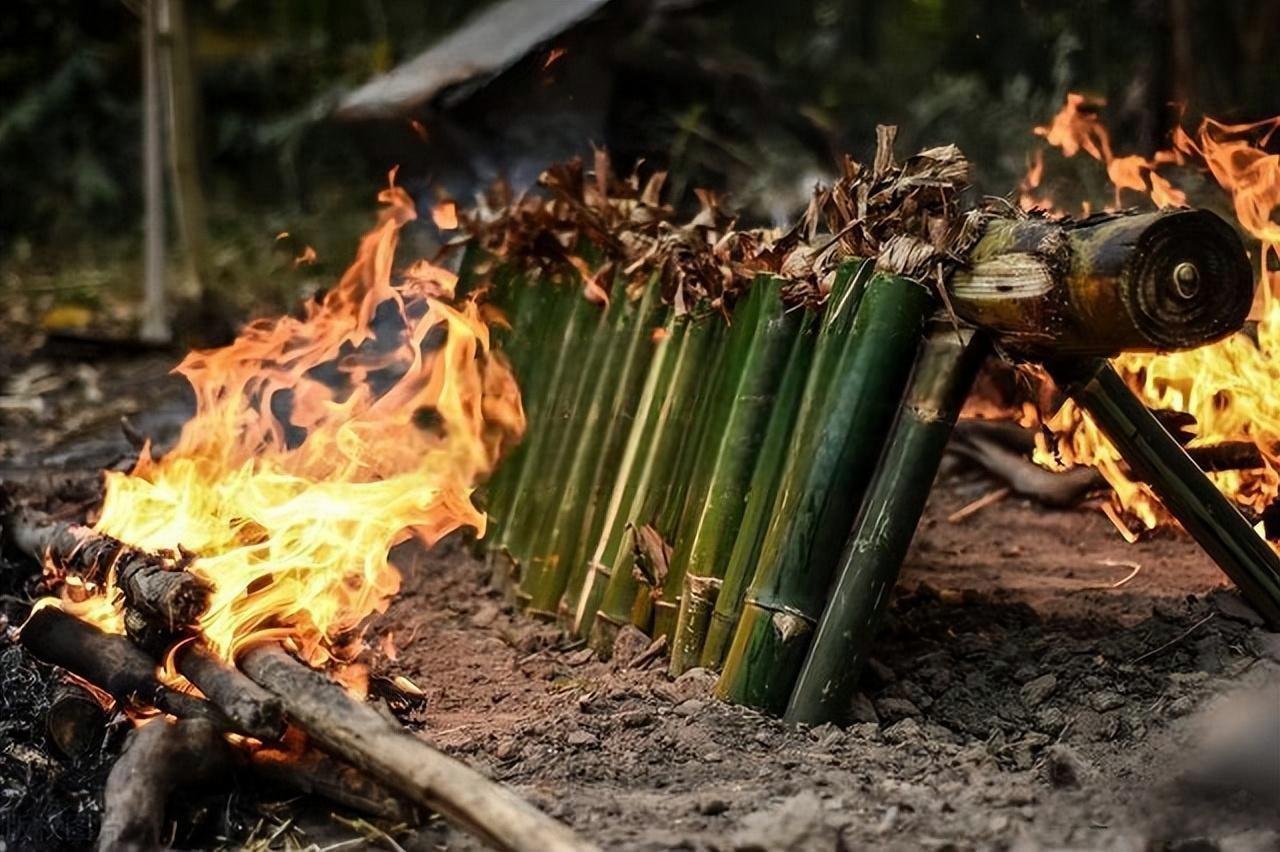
<point>1118,563</point>
<point>1175,640</point>
<point>988,499</point>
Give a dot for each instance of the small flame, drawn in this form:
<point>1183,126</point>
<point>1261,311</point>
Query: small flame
<point>319,443</point>
<point>1227,387</point>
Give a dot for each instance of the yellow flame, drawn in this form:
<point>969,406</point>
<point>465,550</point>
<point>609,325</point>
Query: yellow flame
<point>1227,387</point>
<point>318,444</point>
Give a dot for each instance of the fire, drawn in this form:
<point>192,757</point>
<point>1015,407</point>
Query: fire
<point>1227,386</point>
<point>319,443</point>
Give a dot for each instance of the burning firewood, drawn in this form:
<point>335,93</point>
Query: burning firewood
<point>110,662</point>
<point>154,585</point>
<point>1158,459</point>
<point>158,758</point>
<point>367,740</point>
<point>254,710</point>
<point>75,720</point>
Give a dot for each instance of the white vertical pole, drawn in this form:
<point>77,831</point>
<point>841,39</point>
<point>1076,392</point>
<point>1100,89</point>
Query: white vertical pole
<point>155,319</point>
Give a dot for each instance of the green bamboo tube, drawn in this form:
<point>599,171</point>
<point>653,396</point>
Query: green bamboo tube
<point>618,598</point>
<point>533,346</point>
<point>545,575</point>
<point>1159,460</point>
<point>632,474</point>
<point>617,425</point>
<point>809,373</point>
<point>683,486</point>
<point>820,493</point>
<point>940,382</point>
<point>708,534</point>
<point>536,477</point>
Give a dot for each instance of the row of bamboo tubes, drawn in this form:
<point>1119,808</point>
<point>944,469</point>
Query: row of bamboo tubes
<point>718,479</point>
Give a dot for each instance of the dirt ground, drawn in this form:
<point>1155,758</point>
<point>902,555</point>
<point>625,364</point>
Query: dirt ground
<point>1021,696</point>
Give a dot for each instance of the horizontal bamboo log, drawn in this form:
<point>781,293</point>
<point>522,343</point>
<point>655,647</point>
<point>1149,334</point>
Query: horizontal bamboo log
<point>363,737</point>
<point>1106,284</point>
<point>158,758</point>
<point>110,662</point>
<point>1182,487</point>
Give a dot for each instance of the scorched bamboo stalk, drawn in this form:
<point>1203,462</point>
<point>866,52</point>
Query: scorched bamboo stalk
<point>940,382</point>
<point>820,494</point>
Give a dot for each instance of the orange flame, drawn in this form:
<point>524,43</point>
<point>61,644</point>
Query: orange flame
<point>318,444</point>
<point>1227,386</point>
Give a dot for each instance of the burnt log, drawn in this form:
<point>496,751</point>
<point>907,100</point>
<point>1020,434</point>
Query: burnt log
<point>360,735</point>
<point>75,721</point>
<point>156,585</point>
<point>158,758</point>
<point>1106,284</point>
<point>111,663</point>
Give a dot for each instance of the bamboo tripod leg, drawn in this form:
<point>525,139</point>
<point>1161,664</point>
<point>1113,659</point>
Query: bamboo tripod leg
<point>1184,489</point>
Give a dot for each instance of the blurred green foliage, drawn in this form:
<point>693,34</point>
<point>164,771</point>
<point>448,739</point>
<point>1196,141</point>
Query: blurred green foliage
<point>738,94</point>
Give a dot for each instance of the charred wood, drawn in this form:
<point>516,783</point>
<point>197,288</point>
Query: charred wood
<point>154,584</point>
<point>360,735</point>
<point>308,770</point>
<point>75,721</point>
<point>111,663</point>
<point>254,710</point>
<point>158,758</point>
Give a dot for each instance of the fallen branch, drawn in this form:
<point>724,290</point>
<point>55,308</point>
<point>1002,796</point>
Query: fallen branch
<point>158,757</point>
<point>358,734</point>
<point>111,663</point>
<point>1057,489</point>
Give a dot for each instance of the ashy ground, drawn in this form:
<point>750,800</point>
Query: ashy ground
<point>1038,684</point>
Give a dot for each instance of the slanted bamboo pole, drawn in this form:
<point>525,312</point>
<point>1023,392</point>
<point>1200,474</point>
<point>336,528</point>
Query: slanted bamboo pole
<point>940,382</point>
<point>707,534</point>
<point>359,734</point>
<point>544,575</point>
<point>1186,492</point>
<point>654,488</point>
<point>535,479</point>
<point>821,491</point>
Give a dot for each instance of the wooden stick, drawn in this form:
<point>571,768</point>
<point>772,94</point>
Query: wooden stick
<point>158,757</point>
<point>1181,486</point>
<point>111,663</point>
<point>358,734</point>
<point>254,710</point>
<point>313,772</point>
